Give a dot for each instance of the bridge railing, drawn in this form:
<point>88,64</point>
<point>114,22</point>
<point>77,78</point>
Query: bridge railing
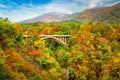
<point>26,36</point>
<point>55,35</point>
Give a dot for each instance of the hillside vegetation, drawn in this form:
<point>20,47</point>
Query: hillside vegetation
<point>92,52</point>
<point>110,14</point>
<point>107,14</point>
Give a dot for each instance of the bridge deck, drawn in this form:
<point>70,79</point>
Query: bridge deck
<point>49,35</point>
<point>55,35</point>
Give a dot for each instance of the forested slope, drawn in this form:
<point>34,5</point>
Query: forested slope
<point>91,53</point>
<point>110,14</point>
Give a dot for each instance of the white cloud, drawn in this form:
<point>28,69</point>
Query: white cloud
<point>22,12</point>
<point>26,12</point>
<point>3,6</point>
<point>102,3</point>
<point>93,3</point>
<point>56,8</point>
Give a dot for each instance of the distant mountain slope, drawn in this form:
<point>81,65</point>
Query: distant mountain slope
<point>49,17</point>
<point>109,14</point>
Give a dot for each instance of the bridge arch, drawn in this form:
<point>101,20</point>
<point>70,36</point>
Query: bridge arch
<point>59,38</point>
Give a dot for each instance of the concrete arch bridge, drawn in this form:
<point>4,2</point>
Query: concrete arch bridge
<point>60,38</point>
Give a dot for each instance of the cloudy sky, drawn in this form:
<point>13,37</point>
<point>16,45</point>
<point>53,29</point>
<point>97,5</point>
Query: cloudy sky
<point>18,10</point>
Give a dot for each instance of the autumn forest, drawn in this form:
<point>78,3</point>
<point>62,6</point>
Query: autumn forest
<point>92,51</point>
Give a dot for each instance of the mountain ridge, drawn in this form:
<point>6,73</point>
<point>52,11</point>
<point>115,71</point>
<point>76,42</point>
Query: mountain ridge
<point>49,17</point>
<point>109,14</point>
